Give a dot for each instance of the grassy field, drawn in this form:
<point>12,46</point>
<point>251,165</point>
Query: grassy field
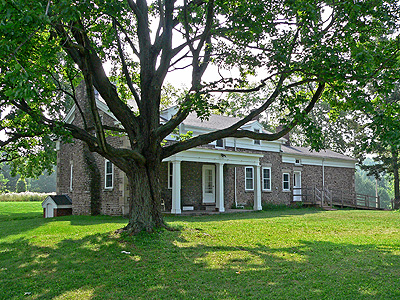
<point>281,254</point>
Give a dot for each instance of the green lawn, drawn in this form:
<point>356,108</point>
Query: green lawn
<point>282,254</point>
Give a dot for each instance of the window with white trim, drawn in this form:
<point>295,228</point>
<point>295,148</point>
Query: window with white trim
<point>266,179</point>
<point>70,177</point>
<point>257,142</point>
<point>109,174</point>
<point>249,178</point>
<point>286,182</point>
<point>170,172</point>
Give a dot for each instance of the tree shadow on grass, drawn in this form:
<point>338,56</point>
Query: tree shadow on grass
<point>19,223</point>
<point>263,214</point>
<point>167,265</point>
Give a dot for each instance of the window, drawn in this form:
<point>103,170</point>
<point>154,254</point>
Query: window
<point>70,177</point>
<point>298,162</point>
<point>170,170</point>
<point>257,142</point>
<point>286,182</point>
<point>266,179</point>
<point>249,182</point>
<point>109,175</point>
<point>219,143</point>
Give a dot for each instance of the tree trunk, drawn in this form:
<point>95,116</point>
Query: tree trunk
<point>144,198</point>
<point>95,181</point>
<point>396,189</point>
<point>395,166</point>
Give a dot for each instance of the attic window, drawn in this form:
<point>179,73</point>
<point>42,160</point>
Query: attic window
<point>257,142</point>
<point>219,143</point>
<point>297,162</point>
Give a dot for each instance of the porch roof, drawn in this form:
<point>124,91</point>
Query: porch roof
<point>217,156</point>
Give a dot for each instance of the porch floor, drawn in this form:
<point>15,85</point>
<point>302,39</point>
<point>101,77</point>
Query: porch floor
<point>207,212</point>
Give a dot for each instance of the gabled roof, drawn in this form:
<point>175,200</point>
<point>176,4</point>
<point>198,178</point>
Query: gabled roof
<point>215,122</point>
<point>307,152</point>
<point>61,199</point>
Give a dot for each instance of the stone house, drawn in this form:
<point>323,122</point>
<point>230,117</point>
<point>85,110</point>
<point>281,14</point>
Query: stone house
<point>226,173</point>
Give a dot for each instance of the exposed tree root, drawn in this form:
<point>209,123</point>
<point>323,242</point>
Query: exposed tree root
<point>132,230</point>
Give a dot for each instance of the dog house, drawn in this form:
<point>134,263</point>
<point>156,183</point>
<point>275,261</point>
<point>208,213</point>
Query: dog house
<point>57,206</point>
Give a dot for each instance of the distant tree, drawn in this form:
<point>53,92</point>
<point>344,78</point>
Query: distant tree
<point>45,183</point>
<point>366,185</point>
<point>11,183</point>
<point>380,136</point>
<point>21,185</point>
<point>3,184</point>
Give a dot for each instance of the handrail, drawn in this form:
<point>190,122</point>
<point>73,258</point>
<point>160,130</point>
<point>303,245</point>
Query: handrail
<point>338,197</point>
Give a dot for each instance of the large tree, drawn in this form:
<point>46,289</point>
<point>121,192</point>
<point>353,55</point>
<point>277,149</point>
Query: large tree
<point>296,50</point>
<point>380,136</point>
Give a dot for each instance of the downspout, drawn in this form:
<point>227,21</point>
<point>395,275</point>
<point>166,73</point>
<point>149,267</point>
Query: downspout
<point>235,196</point>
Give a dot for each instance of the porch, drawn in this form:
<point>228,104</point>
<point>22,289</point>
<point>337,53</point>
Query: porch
<point>211,192</point>
<point>327,197</point>
<point>207,212</point>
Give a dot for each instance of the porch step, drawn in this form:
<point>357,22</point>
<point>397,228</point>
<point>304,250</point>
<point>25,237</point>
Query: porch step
<point>210,207</point>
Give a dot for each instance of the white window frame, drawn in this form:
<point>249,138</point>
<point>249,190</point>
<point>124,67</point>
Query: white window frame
<point>264,180</point>
<point>71,176</point>
<point>108,174</point>
<point>170,174</point>
<point>223,144</point>
<point>246,178</point>
<point>257,142</point>
<point>283,182</point>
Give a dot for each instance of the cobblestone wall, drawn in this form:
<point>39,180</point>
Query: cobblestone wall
<point>88,193</point>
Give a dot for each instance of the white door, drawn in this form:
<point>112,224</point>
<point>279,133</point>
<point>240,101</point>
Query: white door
<point>208,184</point>
<point>49,211</point>
<point>296,186</point>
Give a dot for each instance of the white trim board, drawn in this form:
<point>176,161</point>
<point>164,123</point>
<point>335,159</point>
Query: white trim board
<point>217,156</point>
<point>317,161</point>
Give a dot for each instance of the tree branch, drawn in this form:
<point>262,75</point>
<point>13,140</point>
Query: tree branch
<point>125,67</point>
<point>233,131</point>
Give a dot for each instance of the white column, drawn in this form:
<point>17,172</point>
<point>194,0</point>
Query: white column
<point>176,187</point>
<point>257,188</point>
<point>220,188</point>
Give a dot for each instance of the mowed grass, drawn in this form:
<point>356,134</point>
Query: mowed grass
<point>20,210</point>
<point>281,254</point>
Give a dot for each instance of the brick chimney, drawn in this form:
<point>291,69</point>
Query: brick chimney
<point>286,136</point>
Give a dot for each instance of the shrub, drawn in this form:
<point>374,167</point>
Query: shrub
<point>272,206</point>
<point>21,197</point>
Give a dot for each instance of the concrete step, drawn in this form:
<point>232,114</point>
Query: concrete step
<point>211,207</point>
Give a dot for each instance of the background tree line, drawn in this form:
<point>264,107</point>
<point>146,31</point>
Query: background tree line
<point>9,182</point>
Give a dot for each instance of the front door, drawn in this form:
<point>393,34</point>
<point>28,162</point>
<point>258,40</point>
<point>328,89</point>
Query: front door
<point>208,184</point>
<point>296,186</point>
